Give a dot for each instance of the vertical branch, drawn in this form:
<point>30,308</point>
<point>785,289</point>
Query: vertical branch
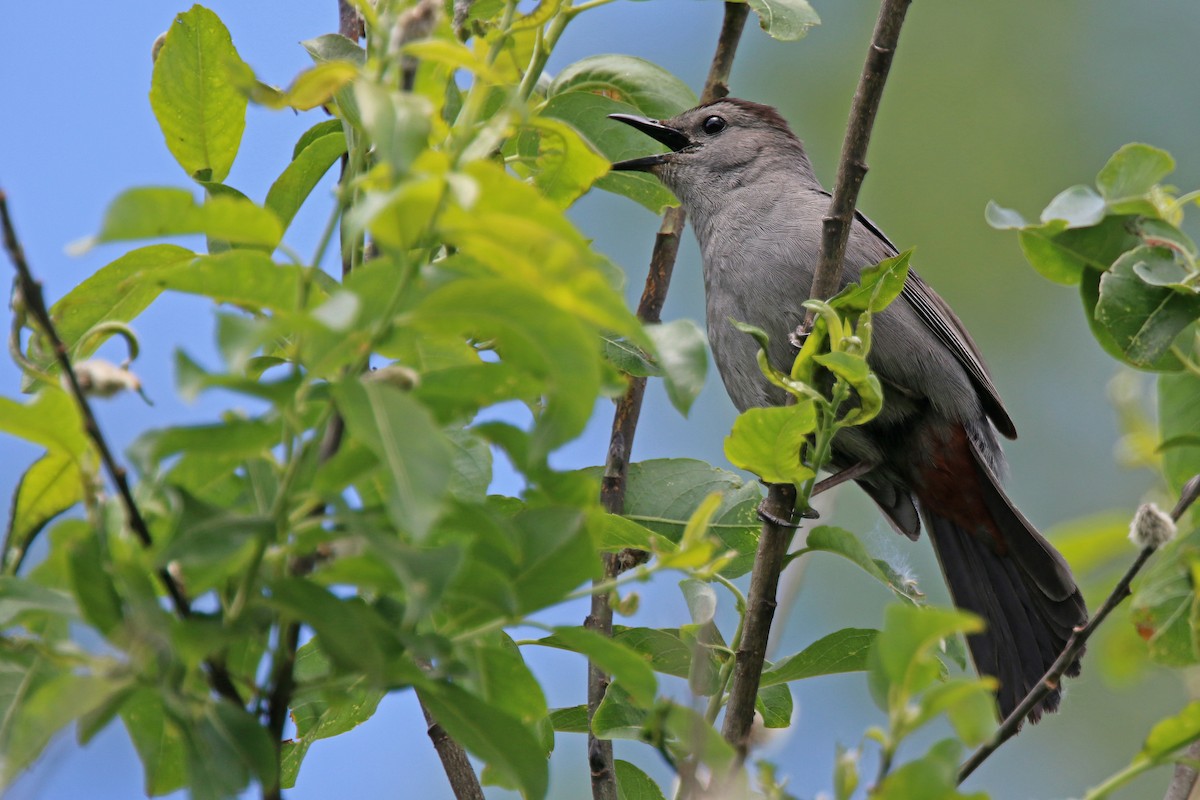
<point>35,304</point>
<point>629,409</point>
<point>781,500</point>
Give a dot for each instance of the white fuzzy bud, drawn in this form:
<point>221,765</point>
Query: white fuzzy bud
<point>1151,527</point>
<point>100,378</point>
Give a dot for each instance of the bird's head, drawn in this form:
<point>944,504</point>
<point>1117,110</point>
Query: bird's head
<point>717,145</point>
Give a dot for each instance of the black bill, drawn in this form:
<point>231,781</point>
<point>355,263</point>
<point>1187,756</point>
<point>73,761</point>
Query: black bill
<point>674,139</point>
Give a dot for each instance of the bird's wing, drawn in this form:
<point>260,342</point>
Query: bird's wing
<point>938,317</point>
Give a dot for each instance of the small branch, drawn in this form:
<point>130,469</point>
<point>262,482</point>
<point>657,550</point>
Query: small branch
<point>350,23</point>
<point>1184,779</point>
<point>1075,646</point>
<point>282,682</point>
<point>35,304</point>
<point>458,767</point>
<point>629,409</point>
<point>852,168</point>
<point>781,500</point>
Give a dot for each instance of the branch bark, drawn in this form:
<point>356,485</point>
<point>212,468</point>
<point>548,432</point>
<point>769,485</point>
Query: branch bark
<point>781,500</point>
<point>1075,645</point>
<point>1184,779</point>
<point>35,303</point>
<point>629,409</point>
<point>463,780</point>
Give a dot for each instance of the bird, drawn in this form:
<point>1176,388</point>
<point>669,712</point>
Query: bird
<point>932,457</point>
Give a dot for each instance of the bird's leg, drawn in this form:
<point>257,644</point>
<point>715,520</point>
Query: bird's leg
<point>797,336</point>
<point>850,473</point>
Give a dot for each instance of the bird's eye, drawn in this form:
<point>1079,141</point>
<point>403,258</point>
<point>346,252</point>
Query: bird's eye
<point>713,124</point>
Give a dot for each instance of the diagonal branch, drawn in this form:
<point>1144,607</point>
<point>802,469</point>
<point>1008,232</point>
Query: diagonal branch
<point>1075,645</point>
<point>625,420</point>
<point>781,500</point>
<point>35,304</point>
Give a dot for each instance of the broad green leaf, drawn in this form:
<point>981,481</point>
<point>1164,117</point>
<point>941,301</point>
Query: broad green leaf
<point>701,600</point>
<point>290,189</point>
<point>663,495</point>
<point>786,20</point>
<point>1132,172</point>
<point>50,707</point>
<point>538,248</point>
<point>768,441</point>
<point>572,719</point>
<point>335,47</point>
<point>235,438</point>
<point>311,88</point>
<point>407,441</point>
<point>1089,294</point>
<point>96,596</point>
<point>612,533</point>
<point>51,485</point>
<point>1143,320</point>
<point>158,741</point>
<point>618,718</point>
<point>349,632</point>
<point>1061,254</point>
<point>228,736</point>
<point>625,665</point>
<point>775,705</point>
<point>877,286</point>
<point>691,735</point>
<point>318,131</point>
<point>213,546</point>
<point>902,661</point>
<point>114,293</point>
<point>1160,233</point>
<point>1158,266</point>
<point>555,556</point>
<point>545,342</point>
<point>853,369</point>
<point>499,675</point>
<point>683,357</point>
<point>1179,416</point>
<point>647,87</point>
<point>633,784</point>
<point>841,651</point>
<point>1002,218</point>
<point>1078,206</point>
<point>20,595</point>
<point>1164,607</point>
<point>1173,733</point>
<point>931,777</point>
<point>152,212</point>
<point>664,650</point>
<point>566,166</point>
<point>830,539</point>
<point>398,122</point>
<point>587,113</point>
<point>50,419</point>
<point>201,113</point>
<point>495,736</point>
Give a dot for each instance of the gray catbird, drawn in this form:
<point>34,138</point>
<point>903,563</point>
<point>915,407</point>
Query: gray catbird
<point>932,454</point>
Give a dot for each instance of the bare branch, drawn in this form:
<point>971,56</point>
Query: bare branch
<point>629,409</point>
<point>781,500</point>
<point>454,760</point>
<point>1074,648</point>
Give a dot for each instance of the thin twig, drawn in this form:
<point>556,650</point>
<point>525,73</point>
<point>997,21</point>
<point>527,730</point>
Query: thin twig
<point>35,305</point>
<point>772,545</point>
<point>1074,647</point>
<point>629,409</point>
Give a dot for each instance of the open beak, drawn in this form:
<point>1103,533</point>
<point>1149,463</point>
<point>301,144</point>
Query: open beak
<point>672,138</point>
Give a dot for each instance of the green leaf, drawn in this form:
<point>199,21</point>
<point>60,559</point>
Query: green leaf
<point>92,584</point>
<point>877,286</point>
<point>903,662</point>
<point>159,742</point>
<point>398,122</point>
<point>1002,218</point>
<point>968,703</point>
<point>1142,320</point>
<point>1159,266</point>
<point>500,676</point>
<point>566,164</point>
<point>148,213</point>
<point>701,600</point>
<point>212,546</point>
<point>311,88</point>
<point>617,718</point>
<point>1164,607</point>
<point>51,706</point>
<point>1061,254</point>
<point>236,439</point>
<point>1132,172</point>
<point>648,88</point>
<point>625,665</point>
<point>228,736</point>
<point>683,356</point>
<point>767,442</point>
<point>831,539</point>
<point>545,342</point>
<point>201,113</point>
<point>407,441</point>
<point>664,650</point>
<point>841,651</point>
<point>1173,733</point>
<point>633,784</point>
<point>290,189</point>
<point>53,484</point>
<point>491,734</point>
<point>555,556</point>
<point>1179,416</point>
<point>588,113</point>
<point>572,719</point>
<point>931,777</point>
<point>1078,206</point>
<point>852,368</point>
<point>775,705</point>
<point>1089,293</point>
<point>786,20</point>
<point>19,596</point>
<point>50,419</point>
<point>663,495</point>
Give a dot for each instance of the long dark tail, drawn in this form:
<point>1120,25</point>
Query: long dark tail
<point>1006,572</point>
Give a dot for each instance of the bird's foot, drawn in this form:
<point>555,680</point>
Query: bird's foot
<point>773,518</point>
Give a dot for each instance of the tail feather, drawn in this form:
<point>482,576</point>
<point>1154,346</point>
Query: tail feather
<point>1019,584</point>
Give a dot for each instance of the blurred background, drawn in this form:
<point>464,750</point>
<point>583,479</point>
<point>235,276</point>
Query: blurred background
<point>1007,101</point>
